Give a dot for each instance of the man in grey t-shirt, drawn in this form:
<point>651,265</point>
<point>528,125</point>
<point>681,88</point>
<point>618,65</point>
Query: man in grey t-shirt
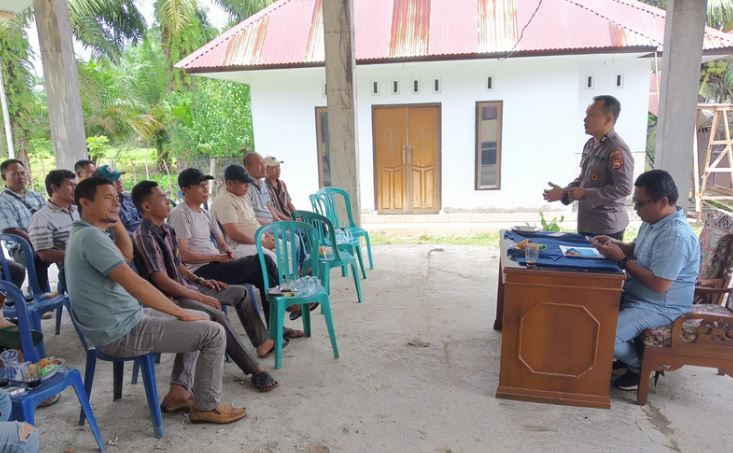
<point>107,297</point>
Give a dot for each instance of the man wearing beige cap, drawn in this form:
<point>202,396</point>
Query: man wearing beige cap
<point>279,195</point>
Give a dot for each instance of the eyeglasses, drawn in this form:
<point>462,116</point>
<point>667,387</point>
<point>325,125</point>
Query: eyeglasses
<point>640,204</point>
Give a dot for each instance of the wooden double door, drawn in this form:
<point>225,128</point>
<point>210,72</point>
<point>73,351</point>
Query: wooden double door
<point>407,158</point>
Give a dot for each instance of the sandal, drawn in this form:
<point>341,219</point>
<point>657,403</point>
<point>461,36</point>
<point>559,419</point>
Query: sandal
<point>297,314</point>
<point>286,340</point>
<point>50,401</point>
<point>293,333</point>
<point>264,382</point>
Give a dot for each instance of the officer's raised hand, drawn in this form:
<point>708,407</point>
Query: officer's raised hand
<point>555,193</point>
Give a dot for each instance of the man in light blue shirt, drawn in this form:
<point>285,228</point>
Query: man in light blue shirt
<point>258,193</point>
<point>661,265</point>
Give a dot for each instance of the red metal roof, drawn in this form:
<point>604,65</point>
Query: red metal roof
<point>289,33</point>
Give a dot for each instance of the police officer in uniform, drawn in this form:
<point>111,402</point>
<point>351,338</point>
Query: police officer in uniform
<point>606,174</point>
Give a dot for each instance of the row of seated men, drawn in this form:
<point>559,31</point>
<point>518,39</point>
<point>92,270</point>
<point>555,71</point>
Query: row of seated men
<point>87,226</point>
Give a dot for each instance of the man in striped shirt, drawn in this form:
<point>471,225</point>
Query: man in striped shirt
<point>50,227</point>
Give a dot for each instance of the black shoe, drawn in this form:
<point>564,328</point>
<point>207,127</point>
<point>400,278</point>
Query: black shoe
<point>629,381</point>
<point>619,365</point>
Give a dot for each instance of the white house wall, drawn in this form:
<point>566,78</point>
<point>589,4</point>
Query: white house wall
<point>544,101</point>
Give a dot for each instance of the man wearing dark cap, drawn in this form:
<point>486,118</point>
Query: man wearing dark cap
<point>194,229</point>
<point>129,214</point>
<point>232,209</point>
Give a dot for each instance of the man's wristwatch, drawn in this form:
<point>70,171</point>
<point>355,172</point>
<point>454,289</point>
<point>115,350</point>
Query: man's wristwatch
<point>565,199</point>
<point>622,264</point>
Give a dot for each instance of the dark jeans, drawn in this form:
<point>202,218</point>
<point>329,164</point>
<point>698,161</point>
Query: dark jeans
<point>17,273</point>
<point>619,235</point>
<point>244,270</point>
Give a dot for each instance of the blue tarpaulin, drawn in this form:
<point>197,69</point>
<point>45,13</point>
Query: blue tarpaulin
<point>553,257</point>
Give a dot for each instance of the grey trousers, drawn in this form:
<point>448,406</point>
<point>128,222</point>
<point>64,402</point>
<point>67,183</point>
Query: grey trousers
<point>237,296</point>
<point>199,348</point>
<point>246,308</point>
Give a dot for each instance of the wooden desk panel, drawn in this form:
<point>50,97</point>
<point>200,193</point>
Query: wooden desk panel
<point>559,330</point>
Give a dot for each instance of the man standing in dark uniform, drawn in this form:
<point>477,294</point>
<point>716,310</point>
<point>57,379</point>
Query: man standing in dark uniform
<point>606,174</point>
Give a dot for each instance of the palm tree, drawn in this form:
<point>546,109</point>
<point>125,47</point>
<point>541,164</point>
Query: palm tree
<point>105,26</point>
<point>241,9</point>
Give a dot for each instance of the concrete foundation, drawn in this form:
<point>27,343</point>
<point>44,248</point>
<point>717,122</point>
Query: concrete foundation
<point>418,371</point>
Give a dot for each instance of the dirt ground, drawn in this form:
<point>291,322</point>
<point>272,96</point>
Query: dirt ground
<point>418,371</point>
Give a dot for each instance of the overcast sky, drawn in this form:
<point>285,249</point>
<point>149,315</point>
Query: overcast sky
<point>216,15</point>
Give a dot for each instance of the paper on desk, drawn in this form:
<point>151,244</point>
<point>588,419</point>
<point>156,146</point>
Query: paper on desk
<point>580,252</point>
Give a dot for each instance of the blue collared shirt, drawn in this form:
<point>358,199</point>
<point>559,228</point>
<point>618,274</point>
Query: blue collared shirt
<point>670,249</point>
<point>129,215</point>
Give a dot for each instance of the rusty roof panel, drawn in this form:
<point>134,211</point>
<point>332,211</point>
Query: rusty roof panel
<point>316,51</point>
<point>289,33</point>
<point>497,25</point>
<point>410,28</point>
<point>244,48</point>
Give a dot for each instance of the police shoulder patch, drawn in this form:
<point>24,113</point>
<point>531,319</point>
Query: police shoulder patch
<point>617,159</point>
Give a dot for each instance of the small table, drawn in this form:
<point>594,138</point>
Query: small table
<point>559,330</point>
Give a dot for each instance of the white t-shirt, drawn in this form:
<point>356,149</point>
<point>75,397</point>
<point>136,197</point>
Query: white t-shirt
<point>199,228</point>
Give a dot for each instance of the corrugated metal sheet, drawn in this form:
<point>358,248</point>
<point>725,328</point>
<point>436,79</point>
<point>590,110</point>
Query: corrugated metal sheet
<point>497,25</point>
<point>289,33</point>
<point>410,28</point>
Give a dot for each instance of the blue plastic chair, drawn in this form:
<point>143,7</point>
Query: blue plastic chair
<point>42,301</point>
<point>286,258</point>
<point>327,238</point>
<point>143,361</point>
<point>24,405</point>
<point>330,197</point>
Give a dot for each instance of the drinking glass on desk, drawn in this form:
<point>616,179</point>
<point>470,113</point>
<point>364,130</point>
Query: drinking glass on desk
<point>532,254</point>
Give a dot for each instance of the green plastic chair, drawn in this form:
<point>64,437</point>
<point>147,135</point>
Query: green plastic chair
<point>286,258</point>
<point>327,238</point>
<point>329,199</point>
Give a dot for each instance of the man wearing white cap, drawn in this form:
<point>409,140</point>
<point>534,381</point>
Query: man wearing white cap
<point>279,195</point>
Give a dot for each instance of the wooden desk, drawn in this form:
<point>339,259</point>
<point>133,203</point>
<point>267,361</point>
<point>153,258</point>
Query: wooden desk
<point>559,331</point>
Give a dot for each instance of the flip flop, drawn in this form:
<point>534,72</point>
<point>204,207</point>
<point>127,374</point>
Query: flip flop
<point>293,333</point>
<point>50,401</point>
<point>286,340</point>
<point>264,382</point>
<point>297,314</point>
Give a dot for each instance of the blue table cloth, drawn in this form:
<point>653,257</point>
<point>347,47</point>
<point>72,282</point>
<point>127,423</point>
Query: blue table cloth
<point>553,257</point>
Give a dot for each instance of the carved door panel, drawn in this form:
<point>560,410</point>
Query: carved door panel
<point>389,153</point>
<point>422,158</point>
<point>407,159</point>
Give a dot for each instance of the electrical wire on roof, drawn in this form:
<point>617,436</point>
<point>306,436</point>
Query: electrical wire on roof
<point>521,33</point>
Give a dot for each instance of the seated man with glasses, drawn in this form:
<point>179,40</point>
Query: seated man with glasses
<point>661,266</point>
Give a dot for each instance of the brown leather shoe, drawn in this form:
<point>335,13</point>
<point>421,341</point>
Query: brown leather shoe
<point>175,405</point>
<point>222,414</point>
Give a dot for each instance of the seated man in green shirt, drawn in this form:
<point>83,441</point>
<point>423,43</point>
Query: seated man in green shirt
<point>106,296</point>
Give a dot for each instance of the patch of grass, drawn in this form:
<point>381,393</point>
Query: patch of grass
<point>481,239</point>
<point>489,238</point>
